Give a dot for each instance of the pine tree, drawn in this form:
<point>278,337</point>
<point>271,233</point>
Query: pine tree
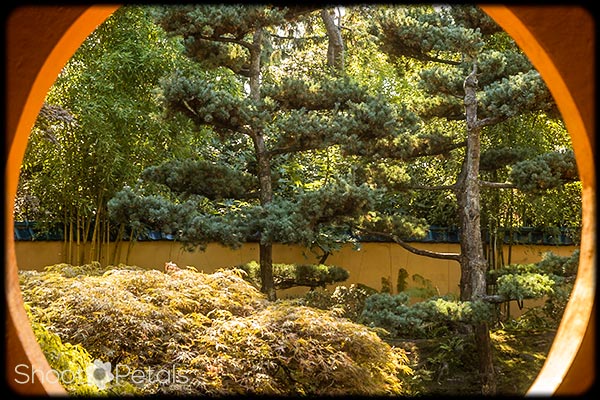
<point>270,121</point>
<point>473,74</point>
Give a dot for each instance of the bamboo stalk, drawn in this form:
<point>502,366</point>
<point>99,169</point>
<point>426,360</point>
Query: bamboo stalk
<point>94,236</point>
<point>106,245</point>
<point>70,259</point>
<point>118,244</point>
<point>78,259</point>
<point>86,233</point>
<point>65,238</point>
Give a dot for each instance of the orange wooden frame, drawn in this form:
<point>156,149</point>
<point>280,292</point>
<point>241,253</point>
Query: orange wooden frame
<point>559,40</point>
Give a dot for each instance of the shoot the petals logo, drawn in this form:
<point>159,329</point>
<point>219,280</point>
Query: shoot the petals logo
<point>99,374</point>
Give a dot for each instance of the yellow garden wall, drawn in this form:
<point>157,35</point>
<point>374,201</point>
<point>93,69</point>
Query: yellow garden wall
<point>368,265</point>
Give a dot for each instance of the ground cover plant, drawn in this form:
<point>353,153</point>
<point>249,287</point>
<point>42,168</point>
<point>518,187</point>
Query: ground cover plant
<point>187,332</point>
<point>195,333</point>
<point>447,365</point>
<point>440,344</point>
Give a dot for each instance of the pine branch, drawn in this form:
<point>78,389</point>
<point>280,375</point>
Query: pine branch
<point>297,149</point>
<point>491,120</point>
<point>437,151</point>
<point>496,298</point>
<point>427,253</point>
<point>425,57</point>
<point>306,38</point>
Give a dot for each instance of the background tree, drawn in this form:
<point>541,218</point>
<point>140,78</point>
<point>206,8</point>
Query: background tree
<point>99,128</point>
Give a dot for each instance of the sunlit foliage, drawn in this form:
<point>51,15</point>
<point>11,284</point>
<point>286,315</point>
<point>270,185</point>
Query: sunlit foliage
<point>215,333</point>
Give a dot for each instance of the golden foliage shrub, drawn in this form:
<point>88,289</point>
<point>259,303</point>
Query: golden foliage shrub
<point>193,333</point>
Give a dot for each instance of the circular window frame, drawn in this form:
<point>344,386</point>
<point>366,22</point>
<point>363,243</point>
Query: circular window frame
<point>551,36</point>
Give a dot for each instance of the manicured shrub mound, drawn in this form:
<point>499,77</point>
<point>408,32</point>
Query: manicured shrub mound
<point>62,357</point>
<point>194,333</point>
<point>289,349</point>
<point>437,316</point>
<point>286,276</point>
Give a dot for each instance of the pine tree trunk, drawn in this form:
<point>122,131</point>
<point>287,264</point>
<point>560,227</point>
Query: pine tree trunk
<point>264,169</point>
<point>266,271</point>
<point>266,195</point>
<point>486,359</point>
<point>473,263</point>
<point>335,47</point>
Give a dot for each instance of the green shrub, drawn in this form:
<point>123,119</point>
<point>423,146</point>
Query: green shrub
<point>524,286</point>
<point>295,350</point>
<point>215,334</point>
<point>555,304</point>
<point>559,265</point>
<point>401,284</point>
<point>290,275</point>
<point>550,264</point>
<point>424,289</point>
<point>552,278</point>
<point>347,302</point>
<point>69,361</point>
<point>433,317</point>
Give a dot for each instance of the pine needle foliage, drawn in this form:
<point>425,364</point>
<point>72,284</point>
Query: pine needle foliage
<point>216,334</point>
<point>546,171</point>
<point>551,278</point>
<point>435,317</point>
